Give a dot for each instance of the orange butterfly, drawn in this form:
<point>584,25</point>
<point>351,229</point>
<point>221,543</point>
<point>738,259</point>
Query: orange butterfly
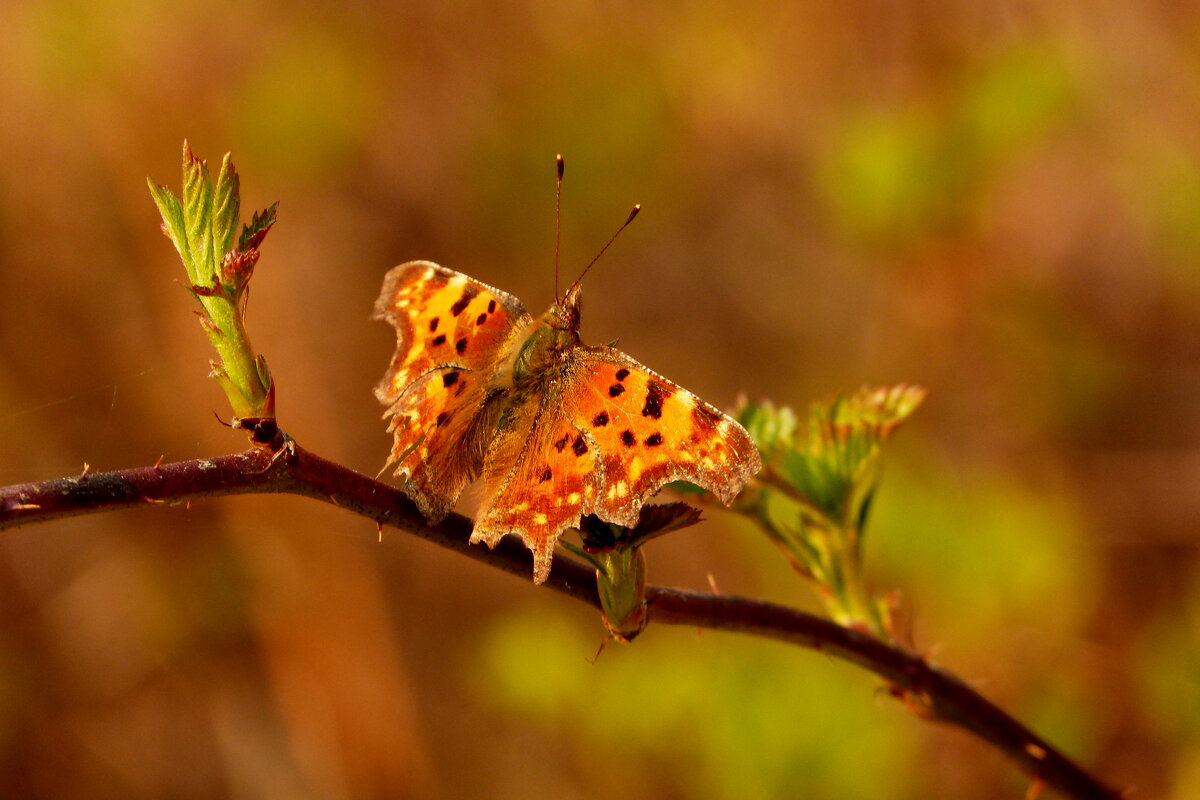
<point>557,429</point>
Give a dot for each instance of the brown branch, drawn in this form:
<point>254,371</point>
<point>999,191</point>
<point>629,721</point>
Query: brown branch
<point>925,688</point>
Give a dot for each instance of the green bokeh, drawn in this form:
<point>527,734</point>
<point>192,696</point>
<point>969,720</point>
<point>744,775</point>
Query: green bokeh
<point>993,549</point>
<point>733,717</point>
<point>895,174</point>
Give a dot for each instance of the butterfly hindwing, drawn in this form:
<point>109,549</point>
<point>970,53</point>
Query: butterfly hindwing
<point>539,478</point>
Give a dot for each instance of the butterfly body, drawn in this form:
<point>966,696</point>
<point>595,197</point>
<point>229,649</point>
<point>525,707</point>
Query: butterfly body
<point>556,429</point>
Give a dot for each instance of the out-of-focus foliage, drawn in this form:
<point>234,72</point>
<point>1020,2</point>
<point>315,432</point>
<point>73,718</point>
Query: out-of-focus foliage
<point>718,718</point>
<point>899,174</point>
<point>997,202</point>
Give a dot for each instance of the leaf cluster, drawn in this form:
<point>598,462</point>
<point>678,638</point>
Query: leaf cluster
<point>219,261</point>
<point>818,482</point>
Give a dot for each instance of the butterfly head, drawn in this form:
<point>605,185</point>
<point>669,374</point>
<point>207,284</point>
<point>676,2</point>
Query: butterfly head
<point>564,314</point>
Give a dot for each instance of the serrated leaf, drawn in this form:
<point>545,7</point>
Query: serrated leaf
<point>226,208</point>
<point>257,228</point>
<point>236,268</point>
<point>655,520</point>
<point>172,216</point>
<point>197,215</point>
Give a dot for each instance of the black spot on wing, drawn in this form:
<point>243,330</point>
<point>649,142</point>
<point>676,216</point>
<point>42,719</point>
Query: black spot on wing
<point>628,439</point>
<point>546,475</point>
<point>462,302</point>
<point>482,318</point>
<point>433,323</point>
<point>442,418</point>
<point>561,443</point>
<point>461,345</point>
<point>622,374</point>
<point>439,340</point>
<point>449,378</point>
<point>615,390</point>
<point>656,394</point>
<point>579,446</point>
<point>491,306</point>
<point>654,440</point>
<point>600,420</point>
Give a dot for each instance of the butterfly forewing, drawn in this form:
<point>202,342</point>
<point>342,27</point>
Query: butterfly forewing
<point>442,317</point>
<point>452,332</point>
<point>649,431</point>
<point>539,479</point>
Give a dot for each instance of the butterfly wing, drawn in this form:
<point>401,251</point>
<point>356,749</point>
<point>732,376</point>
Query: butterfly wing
<point>539,476</point>
<point>452,334</point>
<point>604,438</point>
<point>649,431</point>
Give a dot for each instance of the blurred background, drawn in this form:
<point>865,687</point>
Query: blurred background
<point>998,200</point>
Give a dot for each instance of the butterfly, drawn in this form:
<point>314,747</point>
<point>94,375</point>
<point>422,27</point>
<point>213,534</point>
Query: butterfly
<point>556,429</point>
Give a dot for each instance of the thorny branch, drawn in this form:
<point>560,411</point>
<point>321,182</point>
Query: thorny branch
<point>924,687</point>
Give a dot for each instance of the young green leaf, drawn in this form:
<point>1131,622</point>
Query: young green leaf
<point>226,208</point>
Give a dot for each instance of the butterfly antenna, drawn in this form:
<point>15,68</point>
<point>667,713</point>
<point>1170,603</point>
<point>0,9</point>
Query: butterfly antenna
<point>608,244</point>
<point>558,159</point>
